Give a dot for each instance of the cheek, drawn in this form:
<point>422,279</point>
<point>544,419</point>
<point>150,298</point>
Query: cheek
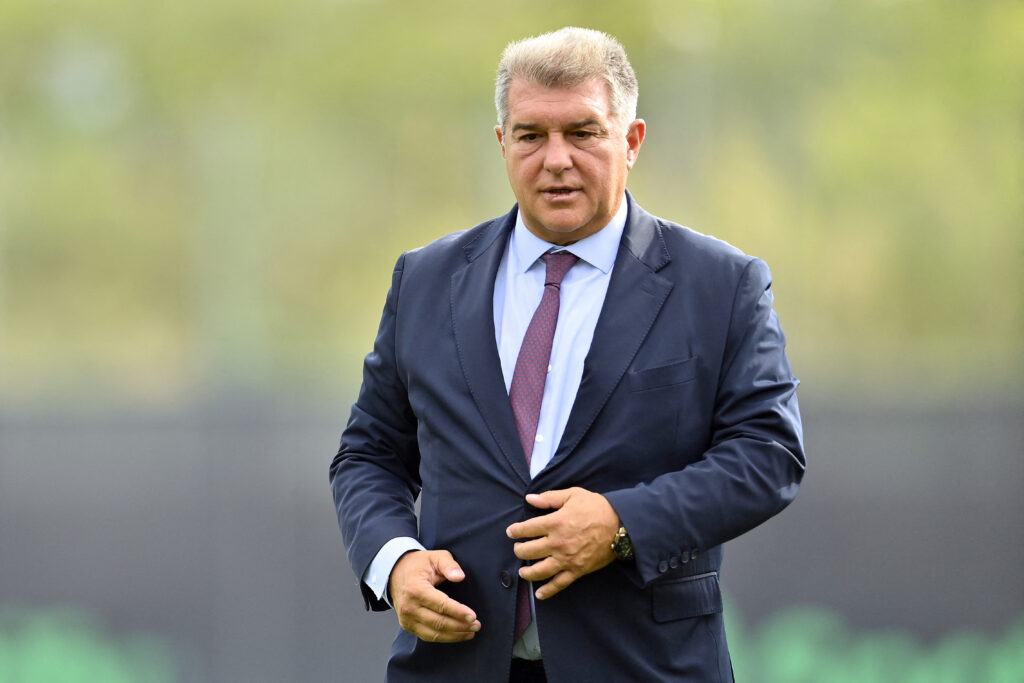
<point>524,173</point>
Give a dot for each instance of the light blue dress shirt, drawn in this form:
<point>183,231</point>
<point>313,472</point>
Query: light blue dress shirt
<point>518,288</point>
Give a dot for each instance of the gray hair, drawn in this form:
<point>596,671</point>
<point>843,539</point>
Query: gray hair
<point>564,59</point>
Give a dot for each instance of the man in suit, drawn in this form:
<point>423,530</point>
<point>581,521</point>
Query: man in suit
<point>587,400</point>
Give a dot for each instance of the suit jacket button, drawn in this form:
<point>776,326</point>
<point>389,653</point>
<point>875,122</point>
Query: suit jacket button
<point>662,567</point>
<point>506,578</point>
<point>673,562</point>
<point>686,556</point>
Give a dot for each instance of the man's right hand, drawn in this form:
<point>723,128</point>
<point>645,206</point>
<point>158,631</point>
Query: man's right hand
<point>422,609</point>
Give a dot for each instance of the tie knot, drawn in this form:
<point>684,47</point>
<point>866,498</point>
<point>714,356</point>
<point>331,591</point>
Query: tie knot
<point>558,264</point>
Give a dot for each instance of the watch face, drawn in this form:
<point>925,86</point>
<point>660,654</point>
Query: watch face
<point>623,547</point>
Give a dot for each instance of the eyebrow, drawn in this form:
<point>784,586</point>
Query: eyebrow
<point>572,125</point>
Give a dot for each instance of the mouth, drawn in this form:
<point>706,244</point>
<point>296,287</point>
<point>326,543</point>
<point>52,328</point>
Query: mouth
<point>560,193</point>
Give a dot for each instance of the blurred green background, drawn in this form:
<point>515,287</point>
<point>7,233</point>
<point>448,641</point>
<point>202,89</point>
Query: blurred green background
<point>200,207</point>
<point>212,194</point>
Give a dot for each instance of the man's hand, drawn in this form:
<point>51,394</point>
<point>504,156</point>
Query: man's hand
<point>572,541</point>
<point>422,609</point>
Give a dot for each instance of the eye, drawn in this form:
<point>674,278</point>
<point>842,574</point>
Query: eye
<point>582,134</point>
<point>529,137</point>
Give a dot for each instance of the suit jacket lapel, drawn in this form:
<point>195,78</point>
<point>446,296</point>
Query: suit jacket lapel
<point>635,296</point>
<point>472,309</point>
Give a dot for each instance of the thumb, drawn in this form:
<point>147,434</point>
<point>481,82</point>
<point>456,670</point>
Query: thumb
<point>446,566</point>
<point>549,500</point>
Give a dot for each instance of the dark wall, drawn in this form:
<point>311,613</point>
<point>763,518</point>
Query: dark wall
<point>212,528</point>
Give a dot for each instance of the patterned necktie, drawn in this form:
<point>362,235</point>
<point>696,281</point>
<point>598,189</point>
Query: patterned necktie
<point>527,388</point>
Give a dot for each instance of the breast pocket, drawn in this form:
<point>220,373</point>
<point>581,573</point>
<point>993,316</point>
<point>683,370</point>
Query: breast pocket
<point>678,372</point>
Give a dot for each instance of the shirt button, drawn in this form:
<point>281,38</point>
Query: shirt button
<point>540,437</point>
<point>549,368</point>
<point>506,578</point>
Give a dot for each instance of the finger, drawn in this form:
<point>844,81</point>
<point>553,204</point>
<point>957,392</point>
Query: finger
<point>440,603</point>
<point>446,566</point>
<point>536,549</point>
<point>422,615</point>
<point>557,584</point>
<point>539,571</point>
<point>427,633</point>
<point>424,623</point>
<point>537,527</point>
<point>431,625</point>
<point>445,637</point>
<point>549,500</point>
<point>414,580</point>
<point>438,621</point>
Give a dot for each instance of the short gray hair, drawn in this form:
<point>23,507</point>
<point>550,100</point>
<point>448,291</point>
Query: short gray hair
<point>564,59</point>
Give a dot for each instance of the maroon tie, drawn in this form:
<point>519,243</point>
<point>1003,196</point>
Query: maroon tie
<point>527,388</point>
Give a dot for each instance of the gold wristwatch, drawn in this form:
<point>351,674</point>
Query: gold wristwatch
<point>622,546</point>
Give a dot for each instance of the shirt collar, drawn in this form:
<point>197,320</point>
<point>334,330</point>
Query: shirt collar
<point>599,249</point>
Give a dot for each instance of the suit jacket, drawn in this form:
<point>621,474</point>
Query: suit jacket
<point>686,419</point>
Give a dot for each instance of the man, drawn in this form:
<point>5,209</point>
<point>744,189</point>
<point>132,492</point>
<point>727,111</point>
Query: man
<point>587,400</point>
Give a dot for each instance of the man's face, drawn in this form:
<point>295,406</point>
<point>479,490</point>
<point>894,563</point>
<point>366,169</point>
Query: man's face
<point>567,157</point>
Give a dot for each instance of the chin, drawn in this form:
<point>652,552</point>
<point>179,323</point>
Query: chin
<point>562,225</point>
<point>562,233</point>
<point>562,229</point>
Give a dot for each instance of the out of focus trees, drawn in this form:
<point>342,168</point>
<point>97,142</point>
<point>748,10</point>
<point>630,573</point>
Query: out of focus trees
<point>210,196</point>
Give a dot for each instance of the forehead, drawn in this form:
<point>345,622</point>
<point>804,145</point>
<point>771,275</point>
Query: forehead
<point>530,102</point>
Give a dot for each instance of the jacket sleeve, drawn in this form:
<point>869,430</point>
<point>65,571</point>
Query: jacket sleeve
<point>374,476</point>
<point>755,462</point>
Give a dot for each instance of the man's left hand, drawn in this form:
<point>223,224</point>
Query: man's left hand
<point>568,543</point>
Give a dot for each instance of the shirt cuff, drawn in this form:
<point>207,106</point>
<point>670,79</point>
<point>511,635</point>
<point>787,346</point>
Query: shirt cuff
<point>378,574</point>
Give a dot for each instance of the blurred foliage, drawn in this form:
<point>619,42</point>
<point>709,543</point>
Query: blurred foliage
<point>65,646</point>
<point>801,645</point>
<point>811,645</point>
<point>210,196</point>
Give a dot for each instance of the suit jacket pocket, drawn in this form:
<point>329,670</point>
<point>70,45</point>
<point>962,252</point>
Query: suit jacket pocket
<point>664,375</point>
<point>693,596</point>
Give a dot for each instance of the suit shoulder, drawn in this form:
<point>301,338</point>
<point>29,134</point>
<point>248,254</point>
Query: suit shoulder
<point>710,257</point>
<point>704,258</point>
<point>456,245</point>
<point>700,244</point>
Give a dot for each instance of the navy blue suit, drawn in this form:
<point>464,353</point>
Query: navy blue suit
<point>686,419</point>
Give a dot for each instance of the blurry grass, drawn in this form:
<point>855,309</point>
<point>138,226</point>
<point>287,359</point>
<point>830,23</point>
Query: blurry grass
<point>813,645</point>
<point>800,645</point>
<point>69,646</point>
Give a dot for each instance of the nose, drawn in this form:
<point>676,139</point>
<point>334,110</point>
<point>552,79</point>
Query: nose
<point>557,154</point>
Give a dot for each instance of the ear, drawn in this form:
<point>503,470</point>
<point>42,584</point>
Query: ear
<point>501,139</point>
<point>634,138</point>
